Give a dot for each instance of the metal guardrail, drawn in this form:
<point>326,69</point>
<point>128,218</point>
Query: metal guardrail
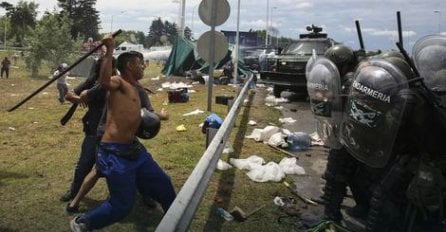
<point>182,210</point>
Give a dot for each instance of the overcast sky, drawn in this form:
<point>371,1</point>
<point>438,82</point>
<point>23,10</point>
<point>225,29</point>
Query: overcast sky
<point>337,17</point>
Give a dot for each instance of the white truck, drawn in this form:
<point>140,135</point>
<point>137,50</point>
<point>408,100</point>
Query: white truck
<point>154,53</point>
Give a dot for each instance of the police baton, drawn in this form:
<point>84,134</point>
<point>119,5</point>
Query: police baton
<point>62,73</point>
<point>407,58</point>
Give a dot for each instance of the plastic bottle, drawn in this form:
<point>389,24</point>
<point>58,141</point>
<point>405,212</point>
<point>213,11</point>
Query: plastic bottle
<point>299,141</point>
<point>224,214</point>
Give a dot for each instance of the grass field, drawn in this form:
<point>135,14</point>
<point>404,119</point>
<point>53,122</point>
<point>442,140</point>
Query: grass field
<point>38,156</point>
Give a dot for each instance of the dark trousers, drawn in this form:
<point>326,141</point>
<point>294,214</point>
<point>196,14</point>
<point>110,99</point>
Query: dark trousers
<point>86,161</point>
<point>125,176</point>
<point>63,90</point>
<point>6,71</point>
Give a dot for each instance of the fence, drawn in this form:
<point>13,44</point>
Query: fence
<point>182,210</point>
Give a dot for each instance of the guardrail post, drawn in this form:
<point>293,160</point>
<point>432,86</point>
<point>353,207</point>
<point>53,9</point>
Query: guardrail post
<point>230,103</point>
<point>210,134</point>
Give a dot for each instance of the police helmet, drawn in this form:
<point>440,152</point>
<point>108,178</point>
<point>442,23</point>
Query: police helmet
<point>340,55</point>
<point>392,54</point>
<point>402,65</point>
<point>150,124</point>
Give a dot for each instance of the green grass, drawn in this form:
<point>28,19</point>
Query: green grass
<point>38,156</point>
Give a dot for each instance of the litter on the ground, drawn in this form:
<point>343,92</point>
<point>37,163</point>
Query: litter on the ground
<point>181,128</point>
<point>252,123</point>
<point>222,165</point>
<point>278,201</point>
<point>228,149</point>
<point>277,139</point>
<point>195,112</point>
<point>269,172</point>
<point>270,100</point>
<point>264,134</point>
<point>289,166</point>
<point>248,163</point>
<point>175,85</point>
<point>288,120</point>
<point>299,141</point>
<point>316,140</point>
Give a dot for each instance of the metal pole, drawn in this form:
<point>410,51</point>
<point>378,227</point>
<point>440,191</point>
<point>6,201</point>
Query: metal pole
<point>267,22</point>
<point>214,8</point>
<point>400,28</point>
<point>111,24</point>
<point>439,20</point>
<point>183,12</point>
<point>4,39</point>
<point>237,44</point>
<point>271,25</point>
<point>358,30</point>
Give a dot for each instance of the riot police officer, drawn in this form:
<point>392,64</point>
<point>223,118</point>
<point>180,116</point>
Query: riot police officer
<point>394,129</point>
<point>328,82</point>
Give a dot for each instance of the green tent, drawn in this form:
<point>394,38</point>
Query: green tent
<point>183,58</point>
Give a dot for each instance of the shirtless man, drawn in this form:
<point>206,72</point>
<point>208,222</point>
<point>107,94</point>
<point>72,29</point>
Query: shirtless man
<point>122,160</point>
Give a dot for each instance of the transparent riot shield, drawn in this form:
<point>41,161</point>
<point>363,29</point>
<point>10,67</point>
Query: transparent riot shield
<point>324,90</point>
<point>373,112</point>
<point>429,55</point>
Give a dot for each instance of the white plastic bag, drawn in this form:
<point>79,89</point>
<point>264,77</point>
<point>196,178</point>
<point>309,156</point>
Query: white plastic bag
<point>290,167</point>
<point>248,163</point>
<point>222,165</point>
<point>269,172</point>
<point>276,139</point>
<point>267,132</point>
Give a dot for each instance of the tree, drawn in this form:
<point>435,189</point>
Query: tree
<point>49,42</point>
<point>84,16</point>
<point>22,19</point>
<point>160,28</point>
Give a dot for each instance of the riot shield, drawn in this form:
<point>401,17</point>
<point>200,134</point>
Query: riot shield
<point>324,90</point>
<point>373,112</point>
<point>429,54</point>
<point>310,63</point>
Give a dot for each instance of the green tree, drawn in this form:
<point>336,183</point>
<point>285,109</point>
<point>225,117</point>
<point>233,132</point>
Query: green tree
<point>141,37</point>
<point>49,42</point>
<point>160,28</point>
<point>84,16</point>
<point>22,19</point>
<point>5,30</point>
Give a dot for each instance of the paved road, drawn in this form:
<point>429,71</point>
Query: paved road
<point>313,160</point>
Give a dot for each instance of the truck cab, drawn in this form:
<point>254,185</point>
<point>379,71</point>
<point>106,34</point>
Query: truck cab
<point>289,71</point>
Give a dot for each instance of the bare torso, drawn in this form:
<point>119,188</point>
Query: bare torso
<point>123,114</point>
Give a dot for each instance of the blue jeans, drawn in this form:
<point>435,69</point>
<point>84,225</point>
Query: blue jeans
<point>123,177</point>
<point>87,159</point>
